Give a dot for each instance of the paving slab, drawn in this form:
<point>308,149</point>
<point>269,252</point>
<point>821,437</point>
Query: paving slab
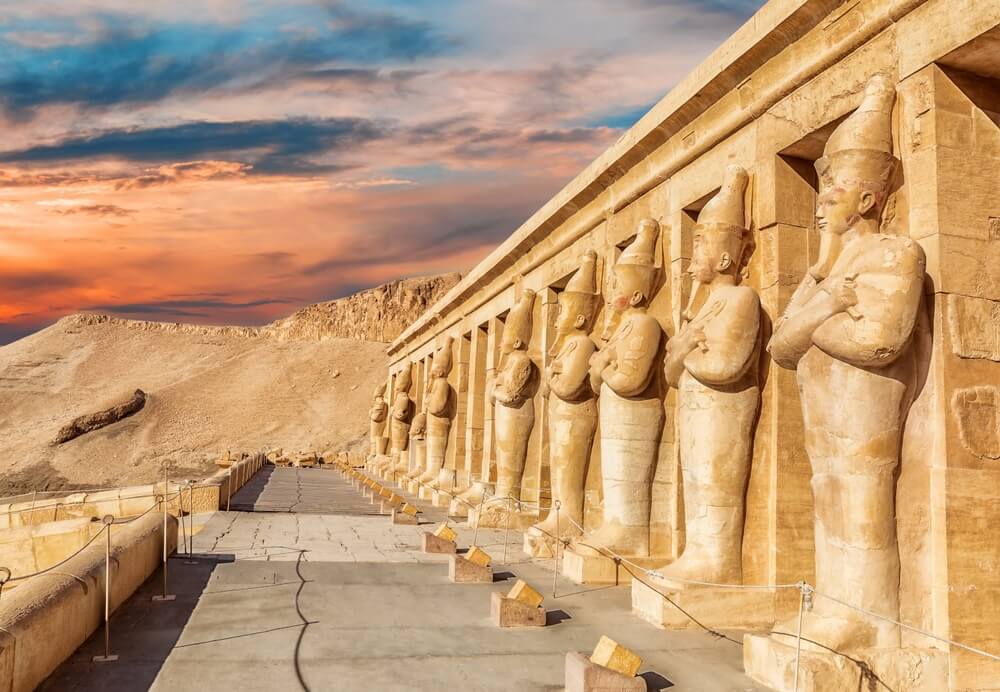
<point>307,601</point>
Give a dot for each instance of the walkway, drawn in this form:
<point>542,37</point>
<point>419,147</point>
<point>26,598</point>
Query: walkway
<point>289,489</point>
<point>345,602</point>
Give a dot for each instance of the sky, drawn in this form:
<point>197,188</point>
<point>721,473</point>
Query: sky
<point>229,161</point>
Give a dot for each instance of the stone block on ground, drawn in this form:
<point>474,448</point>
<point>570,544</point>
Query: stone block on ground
<point>612,655</point>
<point>403,518</point>
<point>583,675</point>
<point>436,545</point>
<point>464,571</point>
<point>510,612</point>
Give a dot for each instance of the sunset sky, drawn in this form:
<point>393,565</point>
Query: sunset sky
<point>228,161</point>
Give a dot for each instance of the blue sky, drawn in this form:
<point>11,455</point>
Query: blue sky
<point>155,150</point>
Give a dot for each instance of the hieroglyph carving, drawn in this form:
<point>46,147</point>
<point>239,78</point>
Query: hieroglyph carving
<point>847,333</point>
<point>711,361</point>
<point>631,412</point>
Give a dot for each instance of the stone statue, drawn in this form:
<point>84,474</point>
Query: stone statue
<point>847,333</point>
<point>377,415</point>
<point>514,409</point>
<point>712,363</point>
<point>402,412</point>
<point>440,411</point>
<point>571,401</point>
<point>418,445</point>
<point>631,413</point>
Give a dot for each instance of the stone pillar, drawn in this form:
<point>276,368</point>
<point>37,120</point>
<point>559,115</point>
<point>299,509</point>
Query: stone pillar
<point>456,457</point>
<point>949,485</point>
<point>476,398</point>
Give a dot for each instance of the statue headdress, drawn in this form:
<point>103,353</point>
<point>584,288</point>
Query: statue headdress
<point>404,378</point>
<point>641,251</point>
<point>443,357</point>
<point>860,149</point>
<point>518,324</point>
<point>726,212</point>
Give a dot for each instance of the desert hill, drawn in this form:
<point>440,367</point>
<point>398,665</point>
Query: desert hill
<point>297,384</point>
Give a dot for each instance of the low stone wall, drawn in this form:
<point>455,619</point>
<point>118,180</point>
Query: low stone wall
<point>28,549</point>
<point>209,495</point>
<point>45,620</point>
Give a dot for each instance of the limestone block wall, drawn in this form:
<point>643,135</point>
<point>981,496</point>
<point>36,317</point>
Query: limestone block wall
<point>768,100</point>
<point>49,617</point>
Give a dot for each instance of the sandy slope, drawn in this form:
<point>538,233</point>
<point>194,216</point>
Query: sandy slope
<point>209,390</point>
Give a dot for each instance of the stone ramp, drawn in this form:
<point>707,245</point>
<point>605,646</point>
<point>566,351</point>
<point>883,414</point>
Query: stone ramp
<point>305,491</point>
<point>309,602</point>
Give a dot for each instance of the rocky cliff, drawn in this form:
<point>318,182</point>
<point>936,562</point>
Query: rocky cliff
<point>378,314</point>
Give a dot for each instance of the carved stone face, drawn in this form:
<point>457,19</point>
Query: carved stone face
<point>630,286</point>
<point>575,312</point>
<point>841,205</point>
<point>716,251</point>
<point>441,366</point>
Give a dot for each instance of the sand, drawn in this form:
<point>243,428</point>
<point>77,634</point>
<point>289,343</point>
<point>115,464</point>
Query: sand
<point>209,391</point>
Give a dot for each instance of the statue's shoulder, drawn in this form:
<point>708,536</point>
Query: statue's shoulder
<point>904,253</point>
<point>742,296</point>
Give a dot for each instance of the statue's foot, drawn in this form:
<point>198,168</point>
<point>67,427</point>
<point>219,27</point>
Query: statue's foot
<point>822,633</point>
<point>693,566</point>
<point>614,539</point>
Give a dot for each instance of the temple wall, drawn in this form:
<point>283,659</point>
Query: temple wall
<point>768,100</point>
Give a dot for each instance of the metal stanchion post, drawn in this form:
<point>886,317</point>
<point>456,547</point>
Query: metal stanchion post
<point>555,551</point>
<point>506,531</point>
<point>798,635</point>
<point>108,657</point>
<point>479,518</point>
<point>162,499</point>
<point>190,518</point>
<point>180,515</point>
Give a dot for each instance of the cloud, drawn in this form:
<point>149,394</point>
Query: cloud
<point>271,146</point>
<point>186,171</point>
<point>96,210</point>
<point>103,59</point>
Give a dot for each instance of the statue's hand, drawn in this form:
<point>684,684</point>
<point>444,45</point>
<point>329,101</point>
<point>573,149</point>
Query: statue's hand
<point>842,293</point>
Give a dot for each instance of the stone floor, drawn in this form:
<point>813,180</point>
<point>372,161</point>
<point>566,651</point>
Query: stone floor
<point>273,601</point>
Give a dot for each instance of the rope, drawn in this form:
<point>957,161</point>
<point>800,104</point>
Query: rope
<point>803,587</point>
<point>79,550</point>
<point>64,560</point>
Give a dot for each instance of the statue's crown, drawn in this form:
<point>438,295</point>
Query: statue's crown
<point>861,146</point>
<point>404,378</point>
<point>518,324</point>
<point>727,207</point>
<point>640,251</point>
<point>442,357</point>
<point>584,280</point>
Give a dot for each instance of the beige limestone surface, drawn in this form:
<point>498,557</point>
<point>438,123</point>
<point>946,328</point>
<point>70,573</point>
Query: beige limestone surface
<point>206,393</point>
<point>872,448</point>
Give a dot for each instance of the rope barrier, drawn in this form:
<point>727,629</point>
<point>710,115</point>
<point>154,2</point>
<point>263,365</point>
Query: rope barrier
<point>806,591</point>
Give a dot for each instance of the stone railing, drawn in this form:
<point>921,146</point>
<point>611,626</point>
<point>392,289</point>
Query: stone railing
<point>48,617</point>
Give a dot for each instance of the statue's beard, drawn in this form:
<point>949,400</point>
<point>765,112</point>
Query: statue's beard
<point>699,292</point>
<point>830,245</point>
<point>611,320</point>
